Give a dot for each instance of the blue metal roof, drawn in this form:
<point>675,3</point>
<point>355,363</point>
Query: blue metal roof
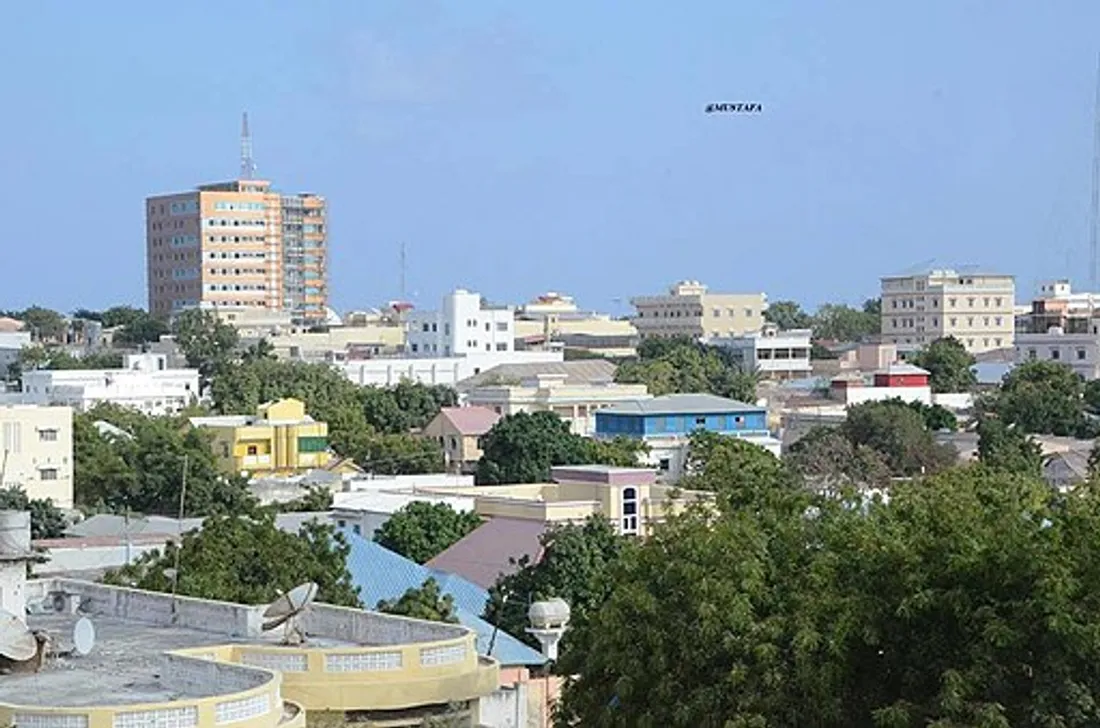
<point>382,574</point>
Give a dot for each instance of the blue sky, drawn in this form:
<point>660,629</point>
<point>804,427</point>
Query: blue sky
<point>518,147</point>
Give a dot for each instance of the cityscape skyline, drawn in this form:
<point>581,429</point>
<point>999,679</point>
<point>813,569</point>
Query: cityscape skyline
<point>473,137</point>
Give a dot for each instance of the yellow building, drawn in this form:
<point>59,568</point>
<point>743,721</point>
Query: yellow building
<point>280,439</point>
<point>629,497</point>
<point>196,663</point>
<point>688,309</point>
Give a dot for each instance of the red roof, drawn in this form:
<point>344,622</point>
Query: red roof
<point>486,552</point>
<point>470,420</point>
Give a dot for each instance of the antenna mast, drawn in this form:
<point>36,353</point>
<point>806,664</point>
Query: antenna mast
<point>1094,220</point>
<point>248,166</point>
<point>403,271</point>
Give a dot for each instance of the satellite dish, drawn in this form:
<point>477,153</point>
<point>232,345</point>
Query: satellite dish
<point>287,608</point>
<point>83,636</point>
<point>17,643</point>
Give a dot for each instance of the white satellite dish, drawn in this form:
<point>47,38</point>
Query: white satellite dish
<point>17,643</point>
<point>83,636</point>
<point>287,608</point>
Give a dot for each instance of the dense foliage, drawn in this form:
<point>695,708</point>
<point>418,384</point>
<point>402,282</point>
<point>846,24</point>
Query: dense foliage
<point>1043,397</point>
<point>35,357</point>
<point>521,448</point>
<point>1008,448</point>
<point>142,470</point>
<point>831,322</point>
<point>900,434</point>
<point>826,458</point>
<point>949,365</point>
<point>576,559</point>
<point>668,366</point>
<point>47,520</point>
<point>426,602</point>
<point>421,530</point>
<point>968,598</point>
<point>246,559</point>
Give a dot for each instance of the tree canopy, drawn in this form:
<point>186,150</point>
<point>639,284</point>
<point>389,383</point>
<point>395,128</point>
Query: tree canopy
<point>205,340</point>
<point>669,366</point>
<point>1043,398</point>
<point>967,599</point>
<point>948,364</point>
<point>826,458</point>
<point>832,321</point>
<point>900,434</point>
<point>47,520</point>
<point>521,448</point>
<point>420,530</point>
<point>247,559</point>
<point>143,470</point>
<point>1008,448</point>
<point>426,602</point>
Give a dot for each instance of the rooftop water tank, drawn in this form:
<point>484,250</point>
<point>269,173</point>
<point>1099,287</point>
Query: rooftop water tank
<point>551,614</point>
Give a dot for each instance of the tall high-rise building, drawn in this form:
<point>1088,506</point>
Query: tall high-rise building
<point>237,243</point>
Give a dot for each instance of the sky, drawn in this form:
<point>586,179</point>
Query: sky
<point>517,148</point>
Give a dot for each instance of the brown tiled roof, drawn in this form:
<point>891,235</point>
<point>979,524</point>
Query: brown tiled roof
<point>485,553</point>
<point>470,420</point>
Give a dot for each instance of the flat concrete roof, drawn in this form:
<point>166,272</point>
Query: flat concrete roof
<point>123,667</point>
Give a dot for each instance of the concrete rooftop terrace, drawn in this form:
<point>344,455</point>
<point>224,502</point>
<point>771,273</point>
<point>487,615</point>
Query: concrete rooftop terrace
<point>132,661</point>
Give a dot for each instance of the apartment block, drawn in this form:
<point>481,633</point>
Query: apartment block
<point>144,383</point>
<point>978,309</point>
<point>688,309</point>
<point>237,244</point>
<point>36,451</point>
<point>464,324</point>
<point>772,353</point>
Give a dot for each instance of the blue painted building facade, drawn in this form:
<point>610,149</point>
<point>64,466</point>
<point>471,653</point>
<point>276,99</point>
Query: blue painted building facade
<point>678,415</point>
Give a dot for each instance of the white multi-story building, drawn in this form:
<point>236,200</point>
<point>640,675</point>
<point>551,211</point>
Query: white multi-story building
<point>464,325</point>
<point>772,353</point>
<point>386,372</point>
<point>978,309</point>
<point>36,451</point>
<point>144,383</point>
<point>1079,351</point>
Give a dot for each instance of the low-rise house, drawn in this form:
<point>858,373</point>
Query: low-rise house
<point>665,424</point>
<point>459,430</point>
<point>280,439</point>
<point>36,451</point>
<point>895,381</point>
<point>771,353</point>
<point>145,383</point>
<point>574,402</point>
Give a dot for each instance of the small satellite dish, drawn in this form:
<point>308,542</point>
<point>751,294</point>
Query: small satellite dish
<point>83,636</point>
<point>287,608</point>
<point>17,643</point>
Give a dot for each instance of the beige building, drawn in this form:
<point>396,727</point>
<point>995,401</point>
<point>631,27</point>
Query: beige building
<point>975,308</point>
<point>459,430</point>
<point>36,451</point>
<point>237,244</point>
<point>576,402</point>
<point>689,310</point>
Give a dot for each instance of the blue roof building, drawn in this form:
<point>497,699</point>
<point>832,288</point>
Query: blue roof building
<point>666,422</point>
<point>381,574</point>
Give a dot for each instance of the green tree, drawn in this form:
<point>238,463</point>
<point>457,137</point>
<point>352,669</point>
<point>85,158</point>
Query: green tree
<point>1006,447</point>
<point>732,467</point>
<point>55,358</point>
<point>136,325</point>
<point>44,324</point>
<point>966,599</point>
<point>247,559</point>
<point>421,531</point>
<point>623,452</point>
<point>426,602</point>
<point>898,433</point>
<point>575,565</point>
<point>521,448</point>
<point>681,365</point>
<point>47,520</point>
<point>788,315</point>
<point>143,470</point>
<point>206,341</point>
<point>399,454</point>
<point>949,365</point>
<point>825,457</point>
<point>1043,398</point>
<point>1092,396</point>
<point>839,322</point>
<point>317,499</point>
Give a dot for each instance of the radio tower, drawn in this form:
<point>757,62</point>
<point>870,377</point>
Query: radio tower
<point>1094,219</point>
<point>248,167</point>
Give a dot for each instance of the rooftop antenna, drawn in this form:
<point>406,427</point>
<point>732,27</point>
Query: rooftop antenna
<point>287,608</point>
<point>402,293</point>
<point>1094,219</point>
<point>248,166</point>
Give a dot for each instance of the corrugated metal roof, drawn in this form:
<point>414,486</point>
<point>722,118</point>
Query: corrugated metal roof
<point>486,552</point>
<point>677,404</point>
<point>581,371</point>
<point>382,574</point>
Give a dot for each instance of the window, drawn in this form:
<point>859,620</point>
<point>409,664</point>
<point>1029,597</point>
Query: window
<point>664,465</point>
<point>253,450</point>
<point>701,421</point>
<point>951,302</point>
<point>426,328</point>
<point>47,474</point>
<point>1081,355</point>
<point>454,443</point>
<point>630,510</point>
<point>357,529</point>
<point>748,313</point>
<point>502,325</point>
<point>717,313</point>
<point>970,302</point>
<point>342,523</point>
<point>1055,354</point>
<point>997,320</point>
<point>954,321</point>
<point>997,301</point>
<point>47,435</point>
<point>502,346</point>
<point>1032,354</point>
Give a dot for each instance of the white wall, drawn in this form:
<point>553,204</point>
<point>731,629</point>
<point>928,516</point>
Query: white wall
<point>461,326</point>
<point>505,708</point>
<point>444,370</point>
<point>153,392</point>
<point>859,395</point>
